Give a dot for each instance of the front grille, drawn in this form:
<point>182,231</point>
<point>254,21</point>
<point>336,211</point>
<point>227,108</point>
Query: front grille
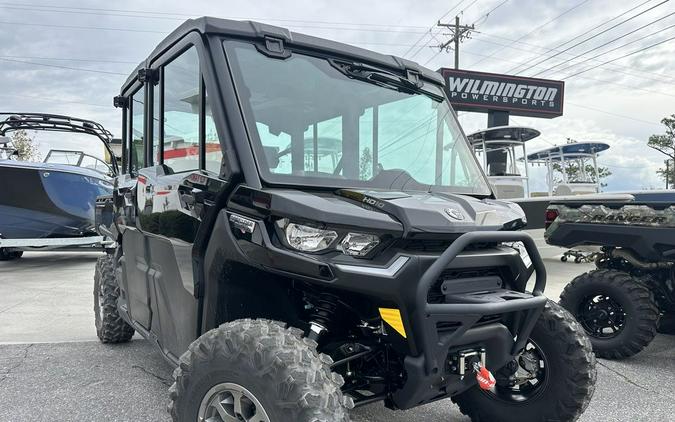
<point>426,245</point>
<point>437,245</point>
<point>436,295</point>
<point>448,326</point>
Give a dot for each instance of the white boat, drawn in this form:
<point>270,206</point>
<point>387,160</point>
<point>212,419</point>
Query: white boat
<point>496,149</point>
<point>503,155</point>
<point>577,154</point>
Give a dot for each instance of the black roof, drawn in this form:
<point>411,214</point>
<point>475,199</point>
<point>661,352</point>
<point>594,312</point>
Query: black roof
<point>504,133</point>
<point>257,30</point>
<point>571,151</point>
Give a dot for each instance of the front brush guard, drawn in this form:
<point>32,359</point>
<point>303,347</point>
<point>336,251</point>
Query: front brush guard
<point>427,369</point>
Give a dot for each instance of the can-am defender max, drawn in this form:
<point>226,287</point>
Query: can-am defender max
<point>302,228</point>
<point>622,303</point>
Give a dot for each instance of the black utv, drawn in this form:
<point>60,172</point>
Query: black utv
<point>631,294</point>
<point>302,228</point>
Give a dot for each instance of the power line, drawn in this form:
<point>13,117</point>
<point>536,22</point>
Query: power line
<point>430,29</point>
<point>541,67</point>
<point>375,30</point>
<point>605,44</point>
<point>623,116</point>
<point>620,57</point>
<point>63,67</point>
<point>96,28</point>
<point>548,49</point>
<point>67,59</point>
<point>594,36</point>
<point>176,16</point>
<point>55,100</point>
<point>486,16</point>
<point>534,30</point>
<point>95,8</point>
<point>618,48</point>
<point>461,12</point>
<point>438,53</point>
<point>77,12</point>
<point>584,33</point>
<point>602,81</point>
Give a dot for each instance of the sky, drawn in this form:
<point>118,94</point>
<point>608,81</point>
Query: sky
<point>71,57</point>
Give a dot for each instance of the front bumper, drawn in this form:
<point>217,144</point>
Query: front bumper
<point>426,375</point>
<point>403,281</point>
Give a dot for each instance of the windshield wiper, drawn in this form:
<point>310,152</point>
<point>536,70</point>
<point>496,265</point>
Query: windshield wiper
<point>384,78</point>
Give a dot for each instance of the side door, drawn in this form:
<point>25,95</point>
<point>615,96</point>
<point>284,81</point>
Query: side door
<point>129,188</point>
<point>178,184</point>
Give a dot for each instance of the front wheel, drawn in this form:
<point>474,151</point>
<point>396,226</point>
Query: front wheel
<point>110,327</point>
<point>617,310</point>
<point>256,371</point>
<point>554,377</point>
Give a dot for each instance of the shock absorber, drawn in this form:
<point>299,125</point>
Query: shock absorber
<point>324,309</point>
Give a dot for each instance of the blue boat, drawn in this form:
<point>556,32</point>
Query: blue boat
<point>55,198</point>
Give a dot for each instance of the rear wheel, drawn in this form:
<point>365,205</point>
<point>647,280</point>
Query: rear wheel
<point>110,327</point>
<point>617,311</point>
<point>256,370</point>
<point>553,379</point>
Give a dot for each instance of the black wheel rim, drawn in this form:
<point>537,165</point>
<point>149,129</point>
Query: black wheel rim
<point>529,380</point>
<point>601,316</point>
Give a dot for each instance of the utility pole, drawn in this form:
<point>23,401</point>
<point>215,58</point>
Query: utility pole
<point>459,33</point>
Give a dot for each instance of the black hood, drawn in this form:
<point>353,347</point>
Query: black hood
<point>382,211</point>
<point>442,212</point>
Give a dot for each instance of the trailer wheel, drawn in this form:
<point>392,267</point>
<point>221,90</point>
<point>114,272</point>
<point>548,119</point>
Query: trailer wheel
<point>7,255</point>
<point>256,370</point>
<point>617,311</point>
<point>110,327</point>
<point>555,376</point>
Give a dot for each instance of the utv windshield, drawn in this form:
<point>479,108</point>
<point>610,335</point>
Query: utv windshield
<point>318,122</point>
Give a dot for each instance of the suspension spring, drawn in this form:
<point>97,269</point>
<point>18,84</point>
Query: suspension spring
<point>325,308</point>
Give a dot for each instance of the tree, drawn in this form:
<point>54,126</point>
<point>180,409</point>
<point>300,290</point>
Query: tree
<point>366,164</point>
<point>574,174</point>
<point>25,145</point>
<point>666,174</point>
<point>665,144</point>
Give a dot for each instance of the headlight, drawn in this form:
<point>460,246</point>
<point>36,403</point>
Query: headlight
<point>309,239</point>
<point>359,244</point>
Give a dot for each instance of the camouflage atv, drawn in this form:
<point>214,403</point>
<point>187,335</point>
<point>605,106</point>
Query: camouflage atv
<point>631,294</point>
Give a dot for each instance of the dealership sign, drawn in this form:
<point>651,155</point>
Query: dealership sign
<point>484,92</point>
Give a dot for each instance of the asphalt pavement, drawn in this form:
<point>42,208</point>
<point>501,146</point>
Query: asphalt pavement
<point>53,369</point>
